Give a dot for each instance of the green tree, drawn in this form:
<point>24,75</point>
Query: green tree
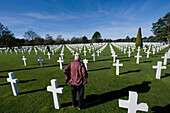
<point>30,35</point>
<point>39,40</point>
<point>49,39</point>
<point>96,36</point>
<point>84,39</point>
<point>127,39</point>
<point>161,28</point>
<point>7,38</point>
<point>139,38</point>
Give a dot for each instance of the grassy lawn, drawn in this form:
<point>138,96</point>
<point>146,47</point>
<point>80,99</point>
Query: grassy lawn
<point>102,92</point>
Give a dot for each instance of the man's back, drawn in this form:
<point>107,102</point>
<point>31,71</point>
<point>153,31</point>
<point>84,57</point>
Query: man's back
<point>76,73</point>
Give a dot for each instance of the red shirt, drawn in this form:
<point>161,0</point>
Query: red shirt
<point>76,73</point>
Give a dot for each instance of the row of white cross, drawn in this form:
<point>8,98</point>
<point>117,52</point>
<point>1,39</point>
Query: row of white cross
<point>131,104</point>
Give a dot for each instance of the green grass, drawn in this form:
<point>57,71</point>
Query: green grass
<point>102,92</point>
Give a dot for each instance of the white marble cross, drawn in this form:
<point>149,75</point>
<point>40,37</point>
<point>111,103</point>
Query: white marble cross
<point>24,59</point>
<point>13,82</point>
<point>137,58</point>
<point>84,52</point>
<point>132,105</point>
<point>165,58</point>
<point>62,54</point>
<point>80,50</point>
<point>44,52</point>
<point>93,56</point>
<point>11,51</point>
<point>157,49</point>
<point>129,52</point>
<point>153,49</point>
<point>117,66</point>
<point>148,52</point>
<point>138,49</point>
<point>158,67</point>
<point>36,52</point>
<point>98,52</point>
<point>124,50</point>
<point>85,61</point>
<point>114,57</point>
<point>49,55</point>
<point>89,50</point>
<point>40,59</point>
<point>144,48</point>
<point>52,52</point>
<point>60,61</point>
<point>73,51</point>
<point>55,90</point>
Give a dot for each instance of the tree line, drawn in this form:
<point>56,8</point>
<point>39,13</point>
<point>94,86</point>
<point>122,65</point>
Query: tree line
<point>160,29</point>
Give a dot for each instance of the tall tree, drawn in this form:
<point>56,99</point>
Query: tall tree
<point>161,28</point>
<point>7,38</point>
<point>139,38</point>
<point>49,39</point>
<point>30,35</point>
<point>84,39</point>
<point>96,36</point>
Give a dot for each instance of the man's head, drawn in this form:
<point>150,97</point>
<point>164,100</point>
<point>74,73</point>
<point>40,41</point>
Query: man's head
<point>77,56</point>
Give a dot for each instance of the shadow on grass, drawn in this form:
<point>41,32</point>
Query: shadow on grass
<point>29,68</point>
<point>94,100</point>
<point>130,71</point>
<point>3,76</point>
<point>25,81</point>
<point>123,60</point>
<point>4,84</point>
<point>166,75</point>
<point>100,69</point>
<point>145,61</point>
<point>101,60</point>
<point>37,90</point>
<point>159,109</point>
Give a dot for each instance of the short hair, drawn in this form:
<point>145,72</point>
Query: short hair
<point>77,56</point>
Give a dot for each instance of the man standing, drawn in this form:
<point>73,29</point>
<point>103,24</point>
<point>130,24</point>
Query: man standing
<point>76,75</point>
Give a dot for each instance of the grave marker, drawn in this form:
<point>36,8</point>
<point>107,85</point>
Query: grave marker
<point>158,67</point>
<point>24,59</point>
<point>55,90</point>
<point>132,105</point>
<point>13,82</point>
<point>117,66</point>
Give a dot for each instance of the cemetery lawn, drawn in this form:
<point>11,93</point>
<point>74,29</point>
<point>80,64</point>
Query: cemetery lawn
<point>102,92</point>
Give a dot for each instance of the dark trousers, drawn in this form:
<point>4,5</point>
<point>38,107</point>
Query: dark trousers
<point>80,90</point>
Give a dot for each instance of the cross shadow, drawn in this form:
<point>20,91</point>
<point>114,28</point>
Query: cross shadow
<point>94,100</point>
<point>33,91</point>
<point>159,109</point>
<point>145,61</point>
<point>37,90</point>
<point>101,60</point>
<point>123,60</point>
<point>166,75</point>
<point>4,84</point>
<point>3,76</point>
<point>131,71</point>
<point>30,68</point>
<point>100,69</point>
<point>25,81</point>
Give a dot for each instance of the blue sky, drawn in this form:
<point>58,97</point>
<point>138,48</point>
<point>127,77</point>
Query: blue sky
<point>112,18</point>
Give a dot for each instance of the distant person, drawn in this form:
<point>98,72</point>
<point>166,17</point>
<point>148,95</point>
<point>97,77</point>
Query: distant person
<point>76,75</point>
<point>48,48</point>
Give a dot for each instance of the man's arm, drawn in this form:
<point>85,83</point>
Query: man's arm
<point>67,69</point>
